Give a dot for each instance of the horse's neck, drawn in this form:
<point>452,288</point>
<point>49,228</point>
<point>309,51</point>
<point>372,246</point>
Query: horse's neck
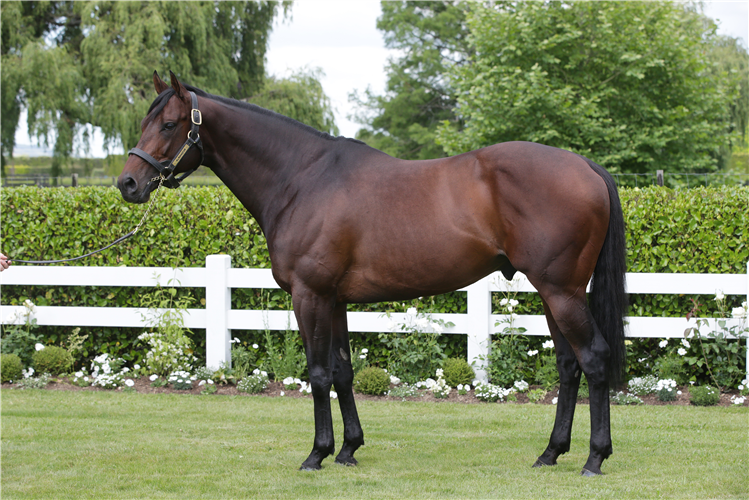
<point>257,156</point>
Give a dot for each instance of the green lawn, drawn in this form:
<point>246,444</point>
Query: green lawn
<point>59,444</point>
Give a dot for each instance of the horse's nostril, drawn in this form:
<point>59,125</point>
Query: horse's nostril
<point>128,185</point>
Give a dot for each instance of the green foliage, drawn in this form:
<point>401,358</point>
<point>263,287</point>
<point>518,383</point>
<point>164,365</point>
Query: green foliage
<point>10,367</point>
<point>508,359</point>
<point>300,97</point>
<point>78,63</point>
<point>372,380</point>
<point>255,383</point>
<point>457,371</point>
<point>286,357</point>
<point>704,395</point>
<point>53,360</point>
<point>430,38</point>
<point>631,85</point>
<point>622,398</point>
<point>243,360</point>
<point>414,349</point>
<point>39,382</point>
<point>536,395</point>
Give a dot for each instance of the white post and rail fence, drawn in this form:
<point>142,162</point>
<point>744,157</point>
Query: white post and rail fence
<point>218,318</point>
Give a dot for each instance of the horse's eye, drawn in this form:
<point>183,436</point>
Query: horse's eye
<point>169,126</point>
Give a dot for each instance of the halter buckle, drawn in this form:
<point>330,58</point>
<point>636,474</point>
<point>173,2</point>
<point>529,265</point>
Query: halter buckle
<point>197,117</point>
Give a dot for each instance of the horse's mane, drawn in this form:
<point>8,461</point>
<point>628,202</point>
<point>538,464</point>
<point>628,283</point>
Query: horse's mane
<point>158,104</point>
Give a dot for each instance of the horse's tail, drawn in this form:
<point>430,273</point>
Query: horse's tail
<point>608,299</point>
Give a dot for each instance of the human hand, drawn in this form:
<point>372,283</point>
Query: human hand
<point>4,262</point>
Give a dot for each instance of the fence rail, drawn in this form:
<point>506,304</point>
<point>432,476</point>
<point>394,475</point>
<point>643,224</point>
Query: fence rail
<point>218,318</point>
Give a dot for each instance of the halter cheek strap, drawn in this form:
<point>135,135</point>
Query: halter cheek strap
<point>166,168</point>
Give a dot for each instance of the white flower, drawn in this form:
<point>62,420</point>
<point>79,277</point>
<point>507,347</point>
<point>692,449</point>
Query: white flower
<point>514,302</point>
<point>554,401</point>
<point>738,312</point>
<point>333,395</point>
<point>38,347</point>
<point>682,351</point>
<point>532,353</point>
<point>685,343</point>
<point>297,381</point>
<point>283,393</point>
<point>719,296</point>
<point>210,382</point>
<point>235,341</point>
<point>363,356</point>
<point>738,401</point>
<point>394,380</point>
<point>521,385</point>
<point>663,343</point>
<point>255,346</point>
<point>678,392</point>
<point>288,381</point>
<point>125,370</point>
<point>422,322</point>
<point>256,372</point>
<point>85,379</point>
<point>549,344</point>
<point>80,374</point>
<point>504,302</point>
<point>364,351</point>
<point>201,383</point>
<point>129,383</point>
<point>153,377</point>
<point>136,367</point>
<point>440,372</point>
<point>437,328</point>
<point>411,311</point>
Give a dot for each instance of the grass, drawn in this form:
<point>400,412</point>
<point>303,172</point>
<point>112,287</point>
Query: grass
<point>58,444</point>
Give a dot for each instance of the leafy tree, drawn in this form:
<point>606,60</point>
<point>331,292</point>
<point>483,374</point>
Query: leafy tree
<point>74,64</point>
<point>300,97</point>
<point>628,84</point>
<point>432,38</point>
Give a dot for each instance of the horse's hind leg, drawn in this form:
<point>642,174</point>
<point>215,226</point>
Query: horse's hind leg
<point>343,376</point>
<point>569,377</point>
<point>576,324</point>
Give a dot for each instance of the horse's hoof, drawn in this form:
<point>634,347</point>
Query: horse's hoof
<point>587,473</point>
<point>349,462</point>
<point>306,467</point>
<point>539,463</point>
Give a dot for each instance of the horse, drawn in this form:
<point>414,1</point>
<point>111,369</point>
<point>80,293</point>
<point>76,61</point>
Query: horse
<point>346,223</point>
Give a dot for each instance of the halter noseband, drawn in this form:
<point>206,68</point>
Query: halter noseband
<point>166,168</point>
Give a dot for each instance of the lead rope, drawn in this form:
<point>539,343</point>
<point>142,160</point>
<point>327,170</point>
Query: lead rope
<point>160,178</point>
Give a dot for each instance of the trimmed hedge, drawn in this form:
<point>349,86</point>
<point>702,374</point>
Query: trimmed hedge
<point>703,230</point>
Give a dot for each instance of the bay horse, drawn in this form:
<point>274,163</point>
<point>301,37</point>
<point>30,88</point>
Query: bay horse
<point>346,223</point>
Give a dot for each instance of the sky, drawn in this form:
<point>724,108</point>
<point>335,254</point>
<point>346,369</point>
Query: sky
<point>341,38</point>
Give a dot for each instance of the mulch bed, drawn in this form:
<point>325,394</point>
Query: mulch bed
<point>143,386</point>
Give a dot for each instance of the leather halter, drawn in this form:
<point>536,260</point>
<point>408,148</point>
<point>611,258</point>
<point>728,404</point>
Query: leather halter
<point>166,168</point>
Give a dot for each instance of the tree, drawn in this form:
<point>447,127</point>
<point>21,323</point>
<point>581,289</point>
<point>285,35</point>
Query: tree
<point>432,38</point>
<point>300,97</point>
<point>628,84</point>
<point>74,64</point>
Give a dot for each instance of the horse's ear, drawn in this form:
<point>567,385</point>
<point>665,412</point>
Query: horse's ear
<point>159,84</point>
<point>179,89</point>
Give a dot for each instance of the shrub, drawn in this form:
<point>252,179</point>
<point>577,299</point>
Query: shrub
<point>457,372</point>
<point>704,395</point>
<point>39,382</point>
<point>491,393</point>
<point>642,386</point>
<point>372,380</point>
<point>622,398</point>
<point>536,395</point>
<point>10,367</point>
<point>181,380</point>
<point>53,360</point>
<point>255,383</point>
<point>666,390</point>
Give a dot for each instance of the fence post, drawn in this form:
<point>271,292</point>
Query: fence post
<point>659,177</point>
<point>217,306</point>
<point>479,325</point>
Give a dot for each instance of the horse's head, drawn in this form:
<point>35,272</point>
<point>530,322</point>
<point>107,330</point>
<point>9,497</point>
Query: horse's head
<point>168,133</point>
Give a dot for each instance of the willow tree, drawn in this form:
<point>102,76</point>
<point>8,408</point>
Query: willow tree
<point>77,64</point>
<point>635,86</point>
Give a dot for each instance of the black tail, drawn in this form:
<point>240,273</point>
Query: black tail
<point>608,299</point>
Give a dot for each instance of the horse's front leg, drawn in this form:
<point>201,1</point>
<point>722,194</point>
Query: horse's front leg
<point>314,315</point>
<point>343,376</point>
